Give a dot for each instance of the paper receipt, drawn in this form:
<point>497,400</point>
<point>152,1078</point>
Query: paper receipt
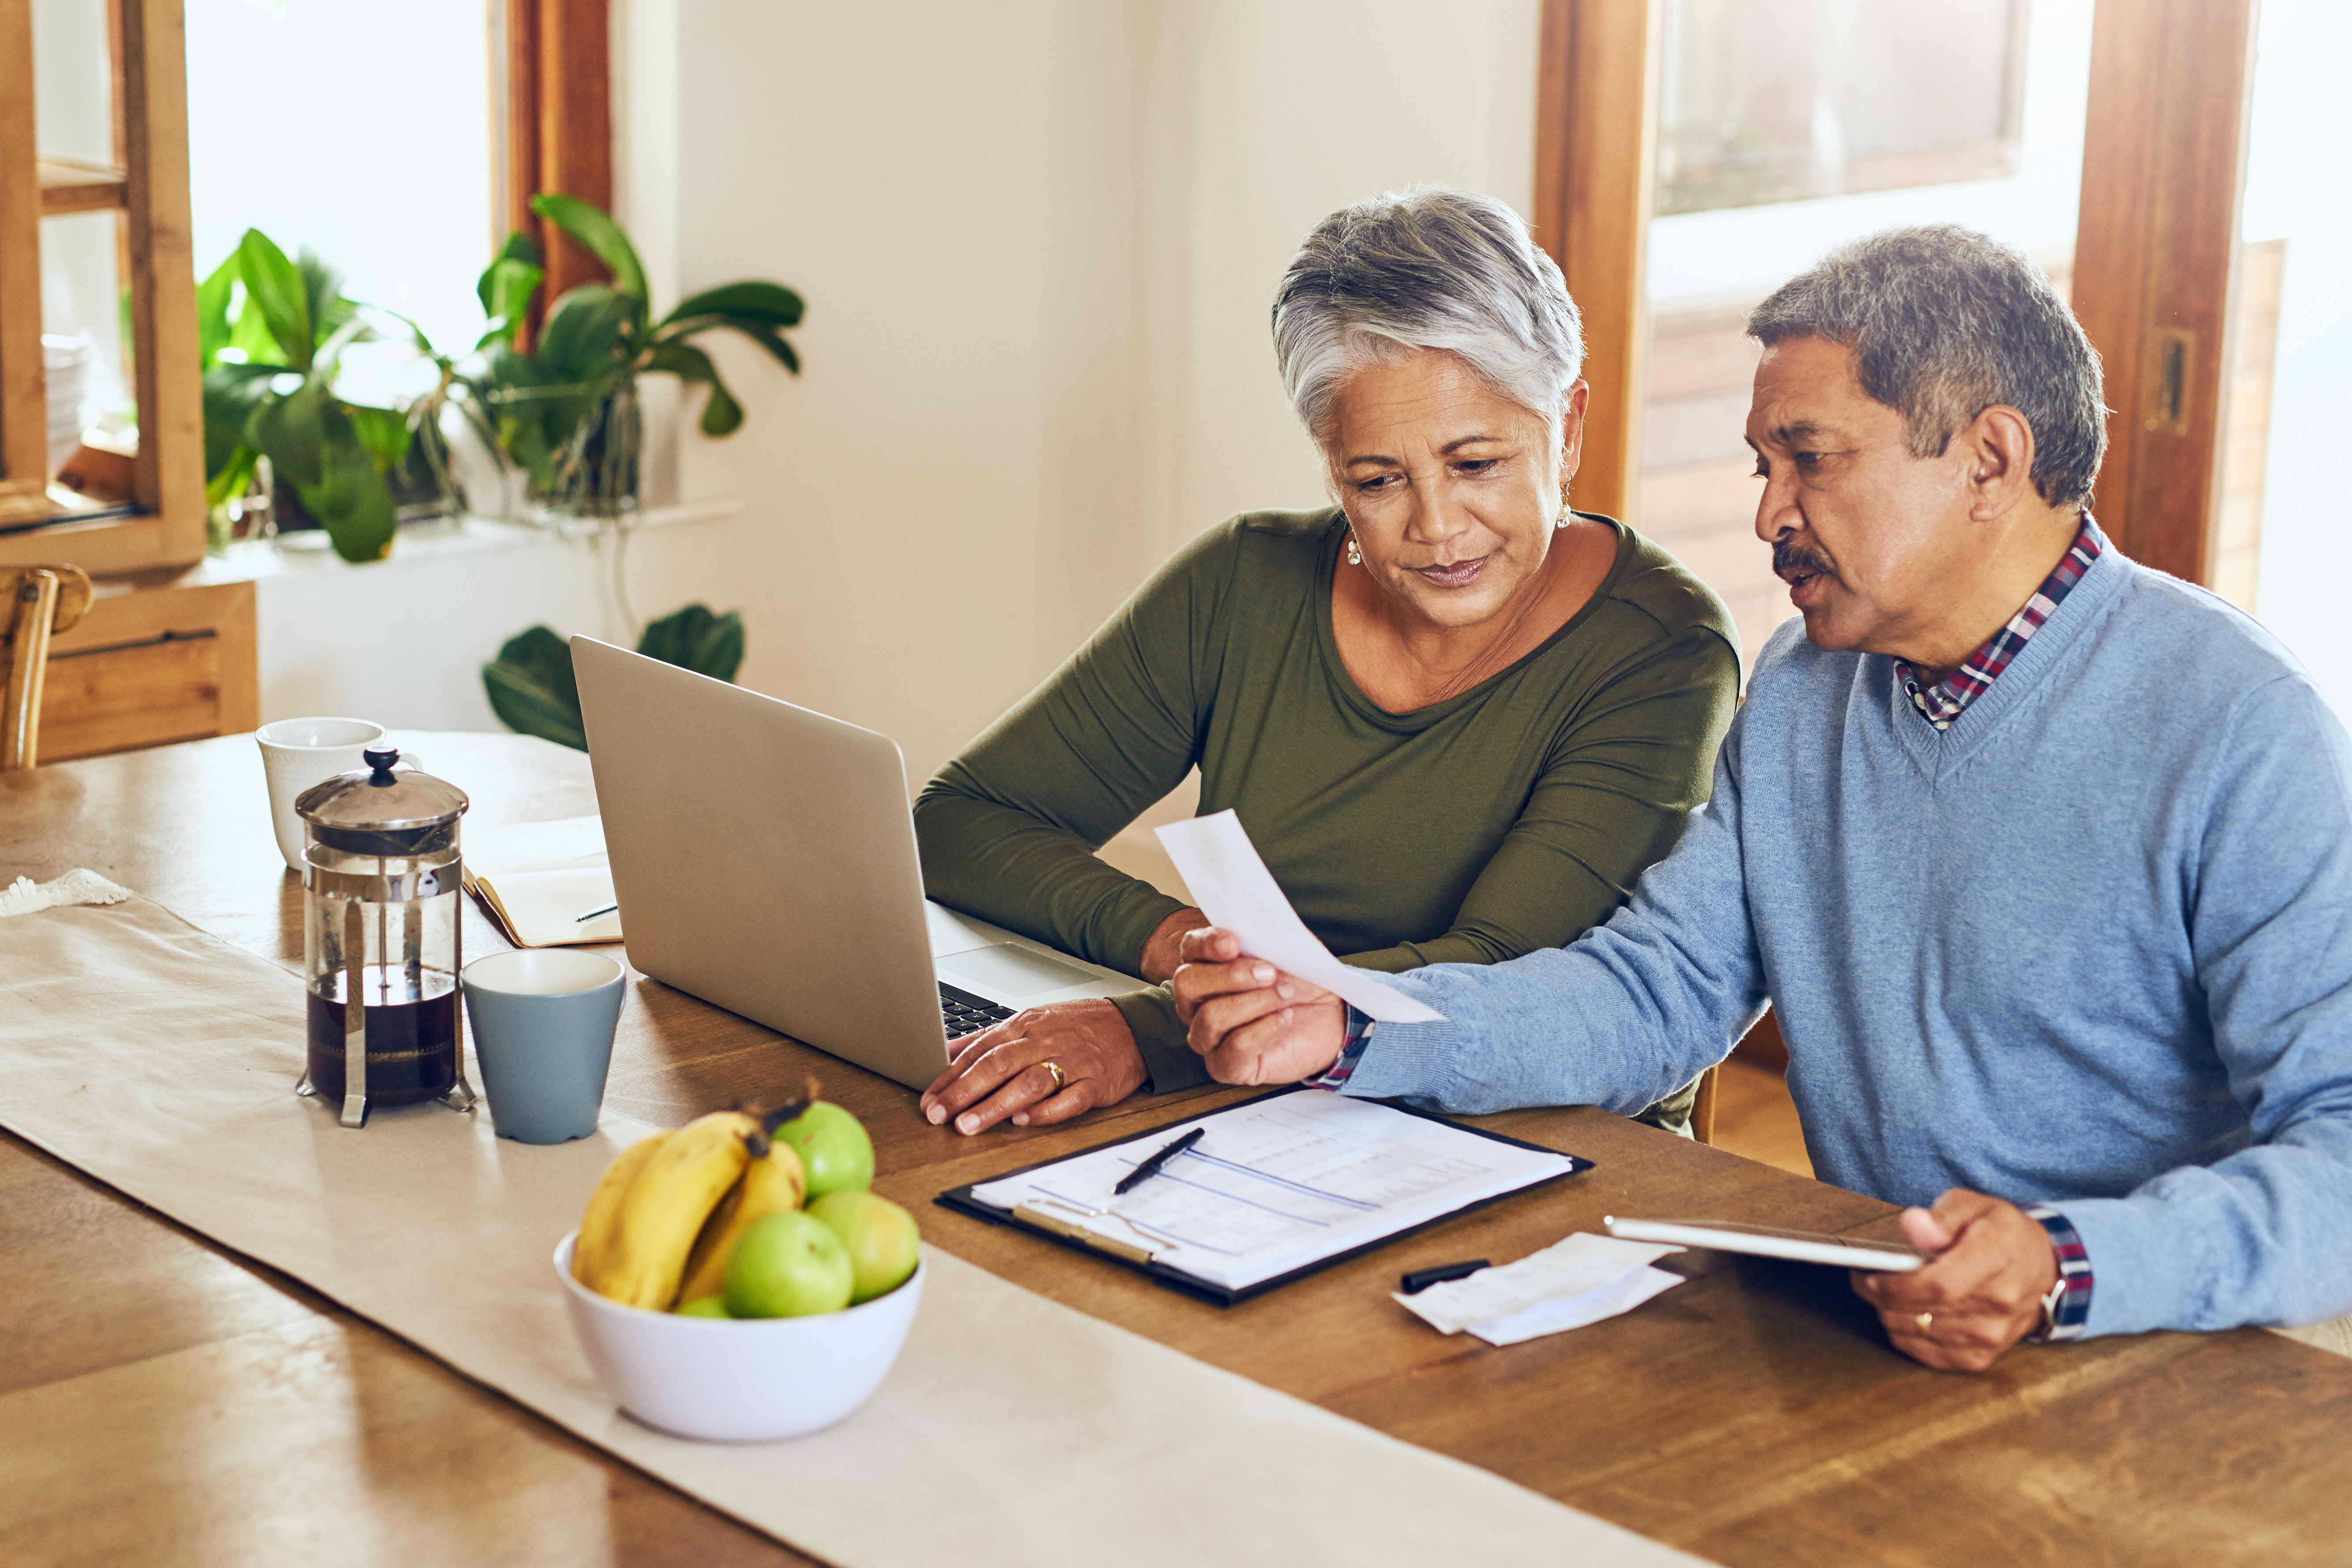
<point>1221,868</point>
<point>1581,1265</point>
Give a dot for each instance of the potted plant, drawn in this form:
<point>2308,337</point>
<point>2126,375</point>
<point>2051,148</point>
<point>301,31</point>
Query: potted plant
<point>271,334</point>
<point>565,413</point>
<point>566,410</point>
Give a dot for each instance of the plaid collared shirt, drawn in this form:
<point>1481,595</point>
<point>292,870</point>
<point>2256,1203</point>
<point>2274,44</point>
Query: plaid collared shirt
<point>1943,703</point>
<point>2072,1311</point>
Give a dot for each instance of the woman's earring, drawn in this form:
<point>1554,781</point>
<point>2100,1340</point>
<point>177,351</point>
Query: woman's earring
<point>1566,516</point>
<point>1355,556</point>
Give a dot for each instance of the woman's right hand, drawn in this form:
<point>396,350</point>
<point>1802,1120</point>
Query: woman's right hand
<point>1000,1071</point>
<point>1249,1021</point>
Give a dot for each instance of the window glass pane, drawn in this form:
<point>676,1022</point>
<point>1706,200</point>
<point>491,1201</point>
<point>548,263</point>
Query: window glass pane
<point>360,131</point>
<point>2016,96</point>
<point>1824,97</point>
<point>2286,542</point>
<point>84,342</point>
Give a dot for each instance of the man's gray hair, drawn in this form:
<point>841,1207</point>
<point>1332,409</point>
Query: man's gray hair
<point>1943,323</point>
<point>1425,268</point>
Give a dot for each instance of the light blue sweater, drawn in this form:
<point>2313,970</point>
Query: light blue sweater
<point>2091,946</point>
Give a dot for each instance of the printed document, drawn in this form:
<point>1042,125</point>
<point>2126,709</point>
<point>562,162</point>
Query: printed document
<point>1222,869</point>
<point>1275,1184</point>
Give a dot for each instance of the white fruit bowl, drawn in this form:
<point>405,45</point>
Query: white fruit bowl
<point>741,1381</point>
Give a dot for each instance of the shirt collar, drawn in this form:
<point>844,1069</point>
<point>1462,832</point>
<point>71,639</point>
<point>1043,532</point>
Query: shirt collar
<point>1942,704</point>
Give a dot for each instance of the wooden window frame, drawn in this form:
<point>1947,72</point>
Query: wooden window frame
<point>552,70</point>
<point>2156,263</point>
<point>2156,256</point>
<point>1596,149</point>
<point>150,187</point>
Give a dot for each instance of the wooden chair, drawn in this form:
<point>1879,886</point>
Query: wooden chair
<point>1702,1106</point>
<point>41,602</point>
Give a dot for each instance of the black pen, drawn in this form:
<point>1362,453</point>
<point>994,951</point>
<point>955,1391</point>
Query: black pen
<point>1421,1280</point>
<point>1151,1167</point>
<point>592,914</point>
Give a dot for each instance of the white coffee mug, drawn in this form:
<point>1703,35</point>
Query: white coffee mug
<point>299,752</point>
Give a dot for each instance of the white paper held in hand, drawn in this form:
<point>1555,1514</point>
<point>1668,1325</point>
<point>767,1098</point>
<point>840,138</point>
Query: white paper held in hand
<point>1236,890</point>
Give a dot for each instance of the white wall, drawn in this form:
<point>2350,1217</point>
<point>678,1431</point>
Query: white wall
<point>1039,238</point>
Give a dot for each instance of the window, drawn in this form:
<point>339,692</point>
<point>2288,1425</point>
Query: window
<point>1825,98</point>
<point>360,132</point>
<point>1875,116</point>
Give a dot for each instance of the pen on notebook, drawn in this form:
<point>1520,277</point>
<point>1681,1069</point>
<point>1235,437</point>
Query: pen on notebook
<point>1151,1167</point>
<point>592,914</point>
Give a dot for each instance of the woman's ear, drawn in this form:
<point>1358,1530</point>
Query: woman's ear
<point>1572,434</point>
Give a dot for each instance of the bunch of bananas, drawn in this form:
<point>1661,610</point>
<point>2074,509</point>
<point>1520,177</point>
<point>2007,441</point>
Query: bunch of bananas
<point>668,1211</point>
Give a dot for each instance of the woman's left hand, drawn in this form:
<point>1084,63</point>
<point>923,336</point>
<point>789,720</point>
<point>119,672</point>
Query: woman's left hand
<point>1000,1072</point>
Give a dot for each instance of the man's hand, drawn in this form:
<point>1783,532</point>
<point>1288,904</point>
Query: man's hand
<point>1979,1293</point>
<point>1161,952</point>
<point>1251,1023</point>
<point>1001,1071</point>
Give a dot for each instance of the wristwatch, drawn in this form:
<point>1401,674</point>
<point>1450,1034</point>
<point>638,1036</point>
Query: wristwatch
<point>2049,1300</point>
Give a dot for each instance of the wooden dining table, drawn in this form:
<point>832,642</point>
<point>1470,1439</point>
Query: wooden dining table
<point>165,1400</point>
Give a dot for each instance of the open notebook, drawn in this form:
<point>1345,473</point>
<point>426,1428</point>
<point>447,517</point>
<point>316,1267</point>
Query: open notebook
<point>1276,1187</point>
<point>536,879</point>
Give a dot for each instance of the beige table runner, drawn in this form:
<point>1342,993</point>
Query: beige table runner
<point>162,1061</point>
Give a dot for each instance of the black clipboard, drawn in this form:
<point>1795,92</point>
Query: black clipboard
<point>960,1200</point>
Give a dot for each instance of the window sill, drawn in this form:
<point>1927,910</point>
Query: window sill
<point>254,560</point>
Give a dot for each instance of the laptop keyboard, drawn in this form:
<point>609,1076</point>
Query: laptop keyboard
<point>965,1013</point>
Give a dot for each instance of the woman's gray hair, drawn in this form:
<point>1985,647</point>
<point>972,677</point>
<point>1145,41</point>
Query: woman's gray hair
<point>1943,323</point>
<point>1425,268</point>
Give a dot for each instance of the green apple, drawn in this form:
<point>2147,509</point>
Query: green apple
<point>704,1307</point>
<point>788,1265</point>
<point>833,1146</point>
<point>880,1237</point>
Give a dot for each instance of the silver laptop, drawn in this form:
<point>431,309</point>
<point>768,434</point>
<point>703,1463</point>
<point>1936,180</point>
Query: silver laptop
<point>765,860</point>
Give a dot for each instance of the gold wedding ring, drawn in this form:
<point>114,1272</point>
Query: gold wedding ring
<point>1926,1320</point>
<point>1056,1068</point>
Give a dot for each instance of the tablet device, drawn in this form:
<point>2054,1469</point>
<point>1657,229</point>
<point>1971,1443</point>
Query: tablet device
<point>1763,1241</point>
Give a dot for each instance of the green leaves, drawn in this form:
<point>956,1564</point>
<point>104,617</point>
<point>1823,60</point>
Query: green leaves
<point>771,303</point>
<point>290,431</point>
<point>758,311</point>
<point>231,393</point>
<point>384,433</point>
<point>693,638</point>
<point>588,331</point>
<point>722,413</point>
<point>506,286</point>
<point>532,690</point>
<point>279,291</point>
<point>600,237</point>
<point>350,500</point>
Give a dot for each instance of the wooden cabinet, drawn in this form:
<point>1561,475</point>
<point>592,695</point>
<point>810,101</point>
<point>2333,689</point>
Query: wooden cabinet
<point>152,664</point>
<point>155,660</point>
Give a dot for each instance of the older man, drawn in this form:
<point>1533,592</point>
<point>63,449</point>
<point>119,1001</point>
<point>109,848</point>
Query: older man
<point>2043,858</point>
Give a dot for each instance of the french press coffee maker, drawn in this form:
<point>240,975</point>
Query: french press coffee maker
<point>380,938</point>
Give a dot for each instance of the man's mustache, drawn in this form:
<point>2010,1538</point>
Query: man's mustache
<point>1789,557</point>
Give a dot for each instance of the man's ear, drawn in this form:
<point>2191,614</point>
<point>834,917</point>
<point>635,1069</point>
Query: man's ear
<point>1998,445</point>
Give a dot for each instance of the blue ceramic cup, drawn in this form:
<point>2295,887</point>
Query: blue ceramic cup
<point>542,1022</point>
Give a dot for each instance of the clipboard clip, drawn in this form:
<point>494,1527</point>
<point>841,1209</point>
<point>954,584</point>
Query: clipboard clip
<point>1061,1224</point>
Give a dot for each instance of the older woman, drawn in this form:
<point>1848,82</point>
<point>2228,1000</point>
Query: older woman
<point>1457,718</point>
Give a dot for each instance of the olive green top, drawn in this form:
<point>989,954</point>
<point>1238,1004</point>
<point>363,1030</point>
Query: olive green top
<point>1512,816</point>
